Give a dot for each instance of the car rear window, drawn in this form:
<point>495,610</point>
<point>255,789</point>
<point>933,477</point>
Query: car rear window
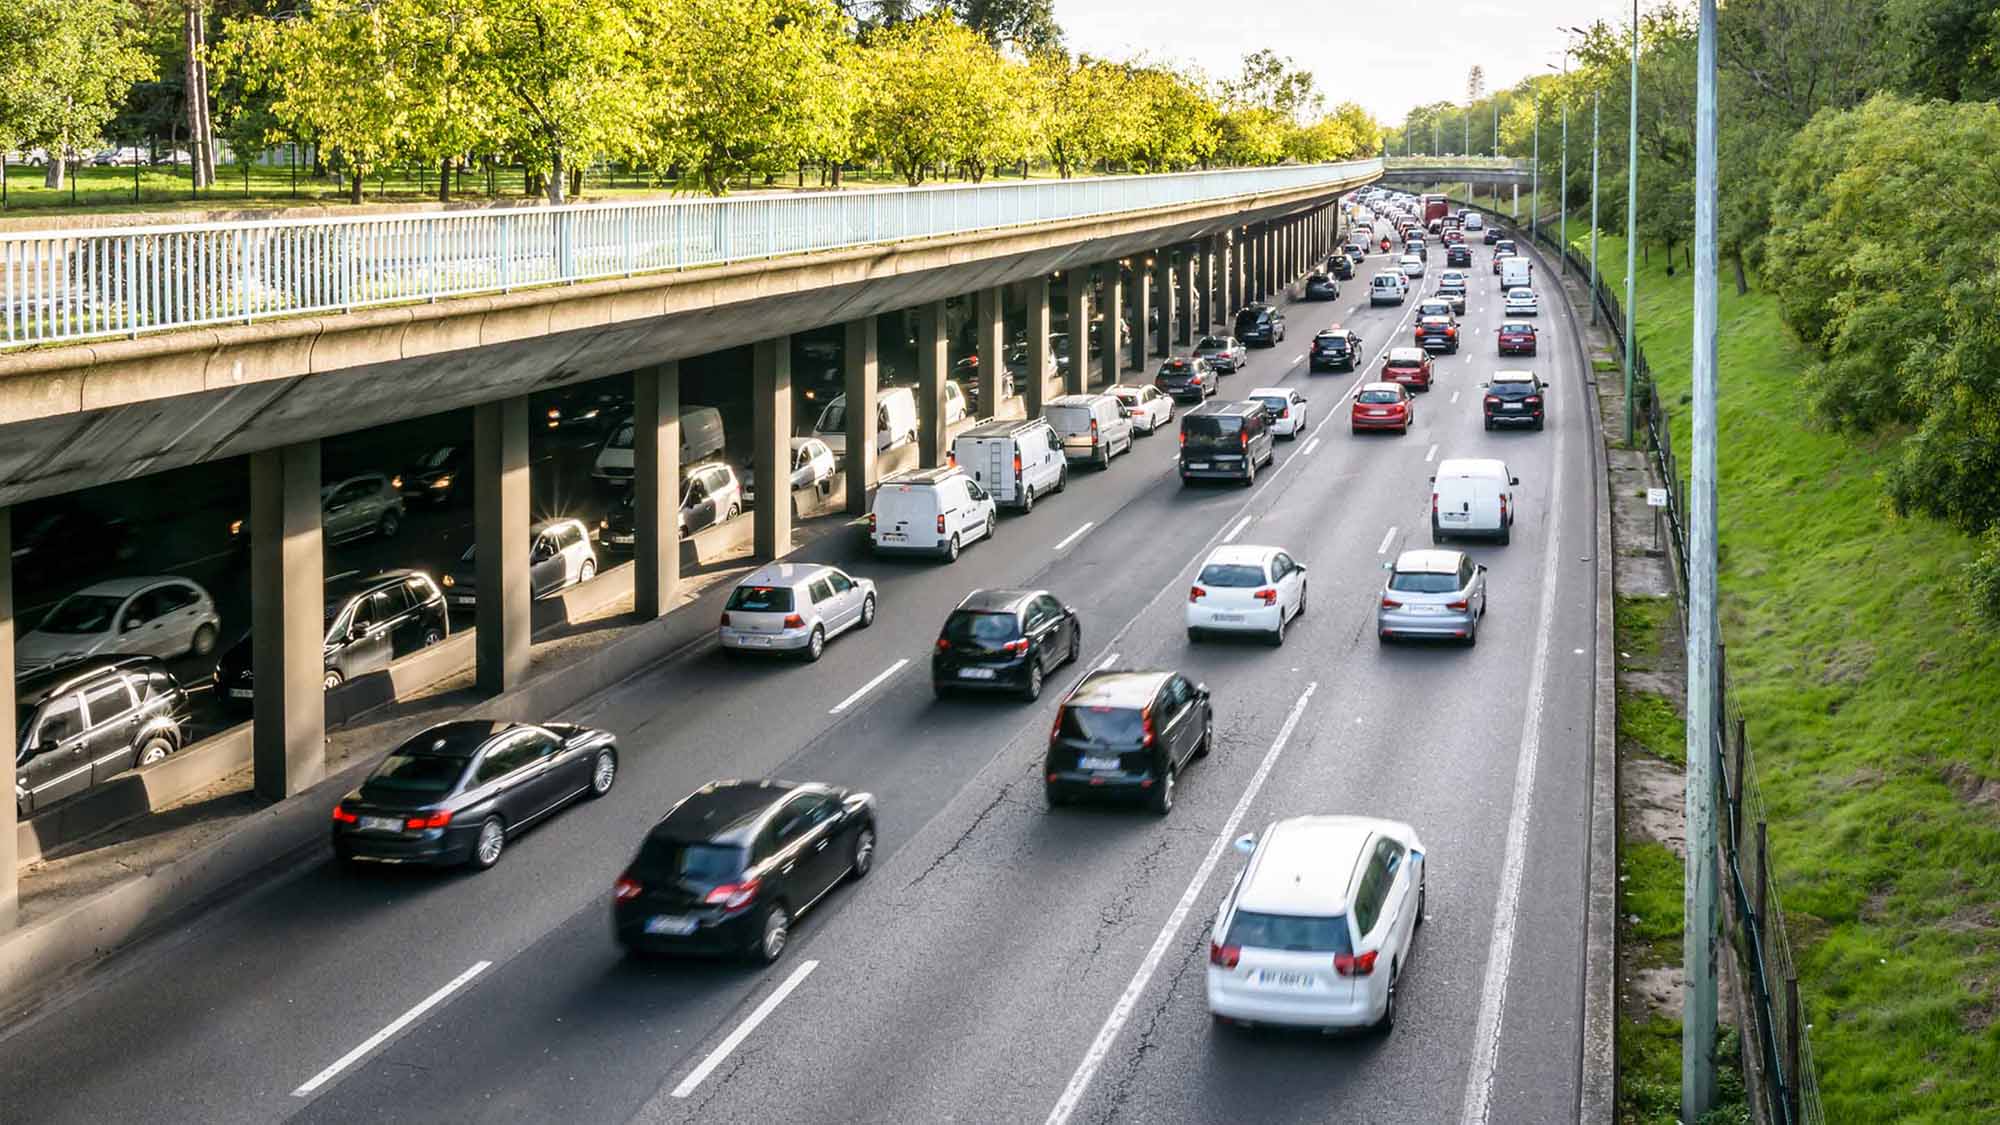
<point>1212,343</point>
<point>1228,575</point>
<point>1103,724</point>
<point>761,599</point>
<point>1512,388</point>
<point>417,773</point>
<point>1378,397</point>
<point>661,858</point>
<point>1332,343</point>
<point>1072,419</point>
<point>1204,430</point>
<point>1423,583</point>
<point>971,627</point>
<point>1276,403</point>
<point>1290,932</point>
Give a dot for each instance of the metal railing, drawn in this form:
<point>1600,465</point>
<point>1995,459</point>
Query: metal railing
<point>77,284</point>
<point>1489,163</point>
<point>1790,1086</point>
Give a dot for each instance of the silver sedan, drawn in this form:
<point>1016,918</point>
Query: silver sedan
<point>1432,593</point>
<point>1224,353</point>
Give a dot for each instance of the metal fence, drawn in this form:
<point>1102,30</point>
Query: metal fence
<point>1790,1087</point>
<point>73,285</point>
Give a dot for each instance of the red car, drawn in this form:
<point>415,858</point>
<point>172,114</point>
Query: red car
<point>1411,367</point>
<point>1517,337</point>
<point>1382,406</point>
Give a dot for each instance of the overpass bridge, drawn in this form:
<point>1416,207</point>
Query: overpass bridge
<point>128,352</point>
<point>1457,169</point>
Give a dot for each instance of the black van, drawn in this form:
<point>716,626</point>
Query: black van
<point>370,623</point>
<point>84,723</point>
<point>1260,324</point>
<point>1226,443</point>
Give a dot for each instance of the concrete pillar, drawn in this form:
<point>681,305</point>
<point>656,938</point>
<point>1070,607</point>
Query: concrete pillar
<point>1111,306</point>
<point>1036,295</point>
<point>1142,304</point>
<point>656,489</point>
<point>1077,287</point>
<point>500,522</point>
<point>10,892</point>
<point>860,359</point>
<point>287,619</point>
<point>1271,262</point>
<point>1232,276</point>
<point>771,444</point>
<point>1188,303</point>
<point>992,349</point>
<point>932,363</point>
<point>1164,298</point>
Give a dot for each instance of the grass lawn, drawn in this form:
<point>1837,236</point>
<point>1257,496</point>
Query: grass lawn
<point>1873,703</point>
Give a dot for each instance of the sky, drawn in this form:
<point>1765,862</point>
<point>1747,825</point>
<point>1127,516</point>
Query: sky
<point>1383,56</point>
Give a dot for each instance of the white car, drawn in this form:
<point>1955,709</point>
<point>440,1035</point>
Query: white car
<point>1246,589</point>
<point>933,511</point>
<point>813,466</point>
<point>1521,302</point>
<point>152,616</point>
<point>1147,407</point>
<point>1411,265</point>
<point>795,607</point>
<point>1287,407</point>
<point>1319,925</point>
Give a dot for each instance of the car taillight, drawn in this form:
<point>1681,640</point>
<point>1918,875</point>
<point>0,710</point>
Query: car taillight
<point>794,621</point>
<point>1391,603</point>
<point>1534,399</point>
<point>1015,646</point>
<point>1225,956</point>
<point>1183,439</point>
<point>1268,596</point>
<point>1146,728</point>
<point>1196,593</point>
<point>1451,332</point>
<point>435,820</point>
<point>734,896</point>
<point>1243,438</point>
<point>725,619</point>
<point>871,523</point>
<point>1434,506</point>
<point>1354,965</point>
<point>943,645</point>
<point>940,523</point>
<point>625,890</point>
<point>1461,604</point>
<point>1093,441</point>
<point>342,816</point>
<point>1492,400</point>
<point>1503,507</point>
<point>1017,466</point>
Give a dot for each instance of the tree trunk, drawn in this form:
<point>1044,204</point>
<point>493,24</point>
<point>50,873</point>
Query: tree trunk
<point>444,179</point>
<point>837,172</point>
<point>356,181</point>
<point>557,175</point>
<point>576,183</point>
<point>52,173</point>
<point>1742,282</point>
<point>201,136</point>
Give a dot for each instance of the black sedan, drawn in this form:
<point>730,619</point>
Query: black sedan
<point>439,477</point>
<point>1005,640</point>
<point>734,864</point>
<point>1320,287</point>
<point>1129,735</point>
<point>456,793</point>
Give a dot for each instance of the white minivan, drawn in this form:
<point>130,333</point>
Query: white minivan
<point>1092,427</point>
<point>1473,497</point>
<point>1473,220</point>
<point>937,511</point>
<point>895,420</point>
<point>1516,272</point>
<point>1014,460</point>
<point>1387,289</point>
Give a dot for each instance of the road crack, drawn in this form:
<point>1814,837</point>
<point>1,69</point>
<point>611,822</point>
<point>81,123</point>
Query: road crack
<point>971,828</point>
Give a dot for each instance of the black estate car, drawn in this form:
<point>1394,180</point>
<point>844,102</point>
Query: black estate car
<point>1127,734</point>
<point>455,793</point>
<point>370,622</point>
<point>1320,287</point>
<point>1005,639</point>
<point>81,724</point>
<point>1335,348</point>
<point>731,866</point>
<point>1260,324</point>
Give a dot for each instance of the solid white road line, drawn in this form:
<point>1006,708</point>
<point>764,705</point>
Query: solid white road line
<point>1454,396</point>
<point>723,1049</point>
<point>1110,658</point>
<point>871,685</point>
<point>1310,446</point>
<point>1431,454</point>
<point>376,1040</point>
<point>1081,531</point>
<point>1237,530</point>
<point>1388,537</point>
<point>1121,1012</point>
<point>1478,1103</point>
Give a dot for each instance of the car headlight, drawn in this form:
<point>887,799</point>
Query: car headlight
<point>442,482</point>
<point>396,481</point>
<point>604,525</point>
<point>235,527</point>
<point>450,581</point>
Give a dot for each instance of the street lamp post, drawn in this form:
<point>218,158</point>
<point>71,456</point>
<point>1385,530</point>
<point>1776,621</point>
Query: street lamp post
<point>1631,225</point>
<point>1562,184</point>
<point>1535,175</point>
<point>1593,206</point>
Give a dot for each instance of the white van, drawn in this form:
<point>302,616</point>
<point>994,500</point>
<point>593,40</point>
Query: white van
<point>1472,497</point>
<point>701,438</point>
<point>1473,219</point>
<point>895,420</point>
<point>1387,289</point>
<point>1016,460</point>
<point>1092,427</point>
<point>1516,272</point>
<point>937,511</point>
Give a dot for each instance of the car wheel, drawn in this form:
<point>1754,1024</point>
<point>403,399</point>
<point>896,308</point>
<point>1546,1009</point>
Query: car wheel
<point>1207,742</point>
<point>992,524</point>
<point>1388,1021</point>
<point>1056,799</point>
<point>1472,633</point>
<point>862,856</point>
<point>603,773</point>
<point>1250,472</point>
<point>1506,535</point>
<point>1028,500</point>
<point>775,933</point>
<point>1162,801</point>
<point>1062,478</point>
<point>204,641</point>
<point>1278,634</point>
<point>1075,644</point>
<point>1538,425</point>
<point>735,510</point>
<point>587,571</point>
<point>1489,425</point>
<point>1194,635</point>
<point>432,636</point>
<point>816,644</point>
<point>155,750</point>
<point>1104,458</point>
<point>951,550</point>
<point>332,680</point>
<point>1302,600</point>
<point>1419,923</point>
<point>492,841</point>
<point>867,611</point>
<point>1032,690</point>
<point>389,524</point>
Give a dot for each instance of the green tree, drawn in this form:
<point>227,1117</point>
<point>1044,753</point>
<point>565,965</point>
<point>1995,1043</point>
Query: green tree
<point>65,67</point>
<point>570,73</point>
<point>1027,26</point>
<point>1080,113</point>
<point>930,101</point>
<point>1947,49</point>
<point>1176,123</point>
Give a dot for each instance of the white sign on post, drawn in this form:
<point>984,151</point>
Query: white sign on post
<point>1656,498</point>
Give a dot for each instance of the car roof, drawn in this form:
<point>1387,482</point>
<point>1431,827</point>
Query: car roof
<point>1406,353</point>
<point>998,601</point>
<point>1224,410</point>
<point>784,574</point>
<point>724,812</point>
<point>550,525</point>
<point>120,587</point>
<point>1517,326</point>
<point>1072,400</point>
<point>1306,865</point>
<point>1337,332</point>
<point>1512,376</point>
<point>1238,553</point>
<point>460,738</point>
<point>1224,341</point>
<point>1002,427</point>
<point>1429,560</point>
<point>923,477</point>
<point>1178,361</point>
<point>1491,467</point>
<point>341,587</point>
<point>31,689</point>
<point>1117,688</point>
<point>1397,387</point>
<point>1277,392</point>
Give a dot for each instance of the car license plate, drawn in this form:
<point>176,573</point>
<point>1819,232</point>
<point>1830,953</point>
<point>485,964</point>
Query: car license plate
<point>1510,406</point>
<point>893,537</point>
<point>1424,609</point>
<point>1197,464</point>
<point>1226,617</point>
<point>464,599</point>
<point>1454,517</point>
<point>673,924</point>
<point>1089,763</point>
<point>1270,978</point>
<point>381,824</point>
<point>242,693</point>
<point>975,673</point>
<point>756,640</point>
<point>620,540</point>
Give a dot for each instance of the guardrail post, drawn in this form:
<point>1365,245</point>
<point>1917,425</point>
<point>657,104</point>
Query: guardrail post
<point>1763,878</point>
<point>1736,792</point>
<point>430,259</point>
<point>1793,1032</point>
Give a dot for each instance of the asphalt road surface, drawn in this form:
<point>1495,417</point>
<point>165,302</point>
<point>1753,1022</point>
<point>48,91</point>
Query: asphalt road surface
<point>1003,962</point>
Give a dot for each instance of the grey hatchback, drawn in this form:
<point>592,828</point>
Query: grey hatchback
<point>1432,593</point>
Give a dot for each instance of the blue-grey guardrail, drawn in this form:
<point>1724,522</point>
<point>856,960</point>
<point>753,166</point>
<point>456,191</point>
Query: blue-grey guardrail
<point>78,284</point>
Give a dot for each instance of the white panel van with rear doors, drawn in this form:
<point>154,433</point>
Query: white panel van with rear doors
<point>1472,497</point>
<point>1516,273</point>
<point>895,420</point>
<point>1092,427</point>
<point>1017,461</point>
<point>935,511</point>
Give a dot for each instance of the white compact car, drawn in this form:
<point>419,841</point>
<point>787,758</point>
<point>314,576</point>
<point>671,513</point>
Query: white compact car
<point>934,511</point>
<point>1149,408</point>
<point>1287,407</point>
<point>1245,589</point>
<point>1411,265</point>
<point>158,616</point>
<point>1521,302</point>
<point>795,607</point>
<point>1319,925</point>
<point>813,466</point>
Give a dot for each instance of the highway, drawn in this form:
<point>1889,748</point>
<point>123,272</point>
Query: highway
<point>1003,962</point>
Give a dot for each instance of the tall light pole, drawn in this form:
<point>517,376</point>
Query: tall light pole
<point>1631,224</point>
<point>1698,940</point>
<point>1535,174</point>
<point>1593,186</point>
<point>1562,184</point>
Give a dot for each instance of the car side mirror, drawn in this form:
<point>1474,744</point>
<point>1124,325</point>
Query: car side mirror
<point>1514,481</point>
<point>1201,690</point>
<point>1298,568</point>
<point>1246,843</point>
<point>130,624</point>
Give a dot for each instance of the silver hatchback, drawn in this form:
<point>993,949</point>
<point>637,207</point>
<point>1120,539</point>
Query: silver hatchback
<point>1432,593</point>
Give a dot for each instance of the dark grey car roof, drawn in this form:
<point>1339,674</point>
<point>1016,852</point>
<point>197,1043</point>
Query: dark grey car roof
<point>1134,688</point>
<point>31,689</point>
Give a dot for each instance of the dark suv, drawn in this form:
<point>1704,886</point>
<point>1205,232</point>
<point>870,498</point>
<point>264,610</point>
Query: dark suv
<point>1260,324</point>
<point>1335,349</point>
<point>86,722</point>
<point>370,623</point>
<point>1227,443</point>
<point>1127,734</point>
<point>1006,640</point>
<point>1515,398</point>
<point>1320,287</point>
